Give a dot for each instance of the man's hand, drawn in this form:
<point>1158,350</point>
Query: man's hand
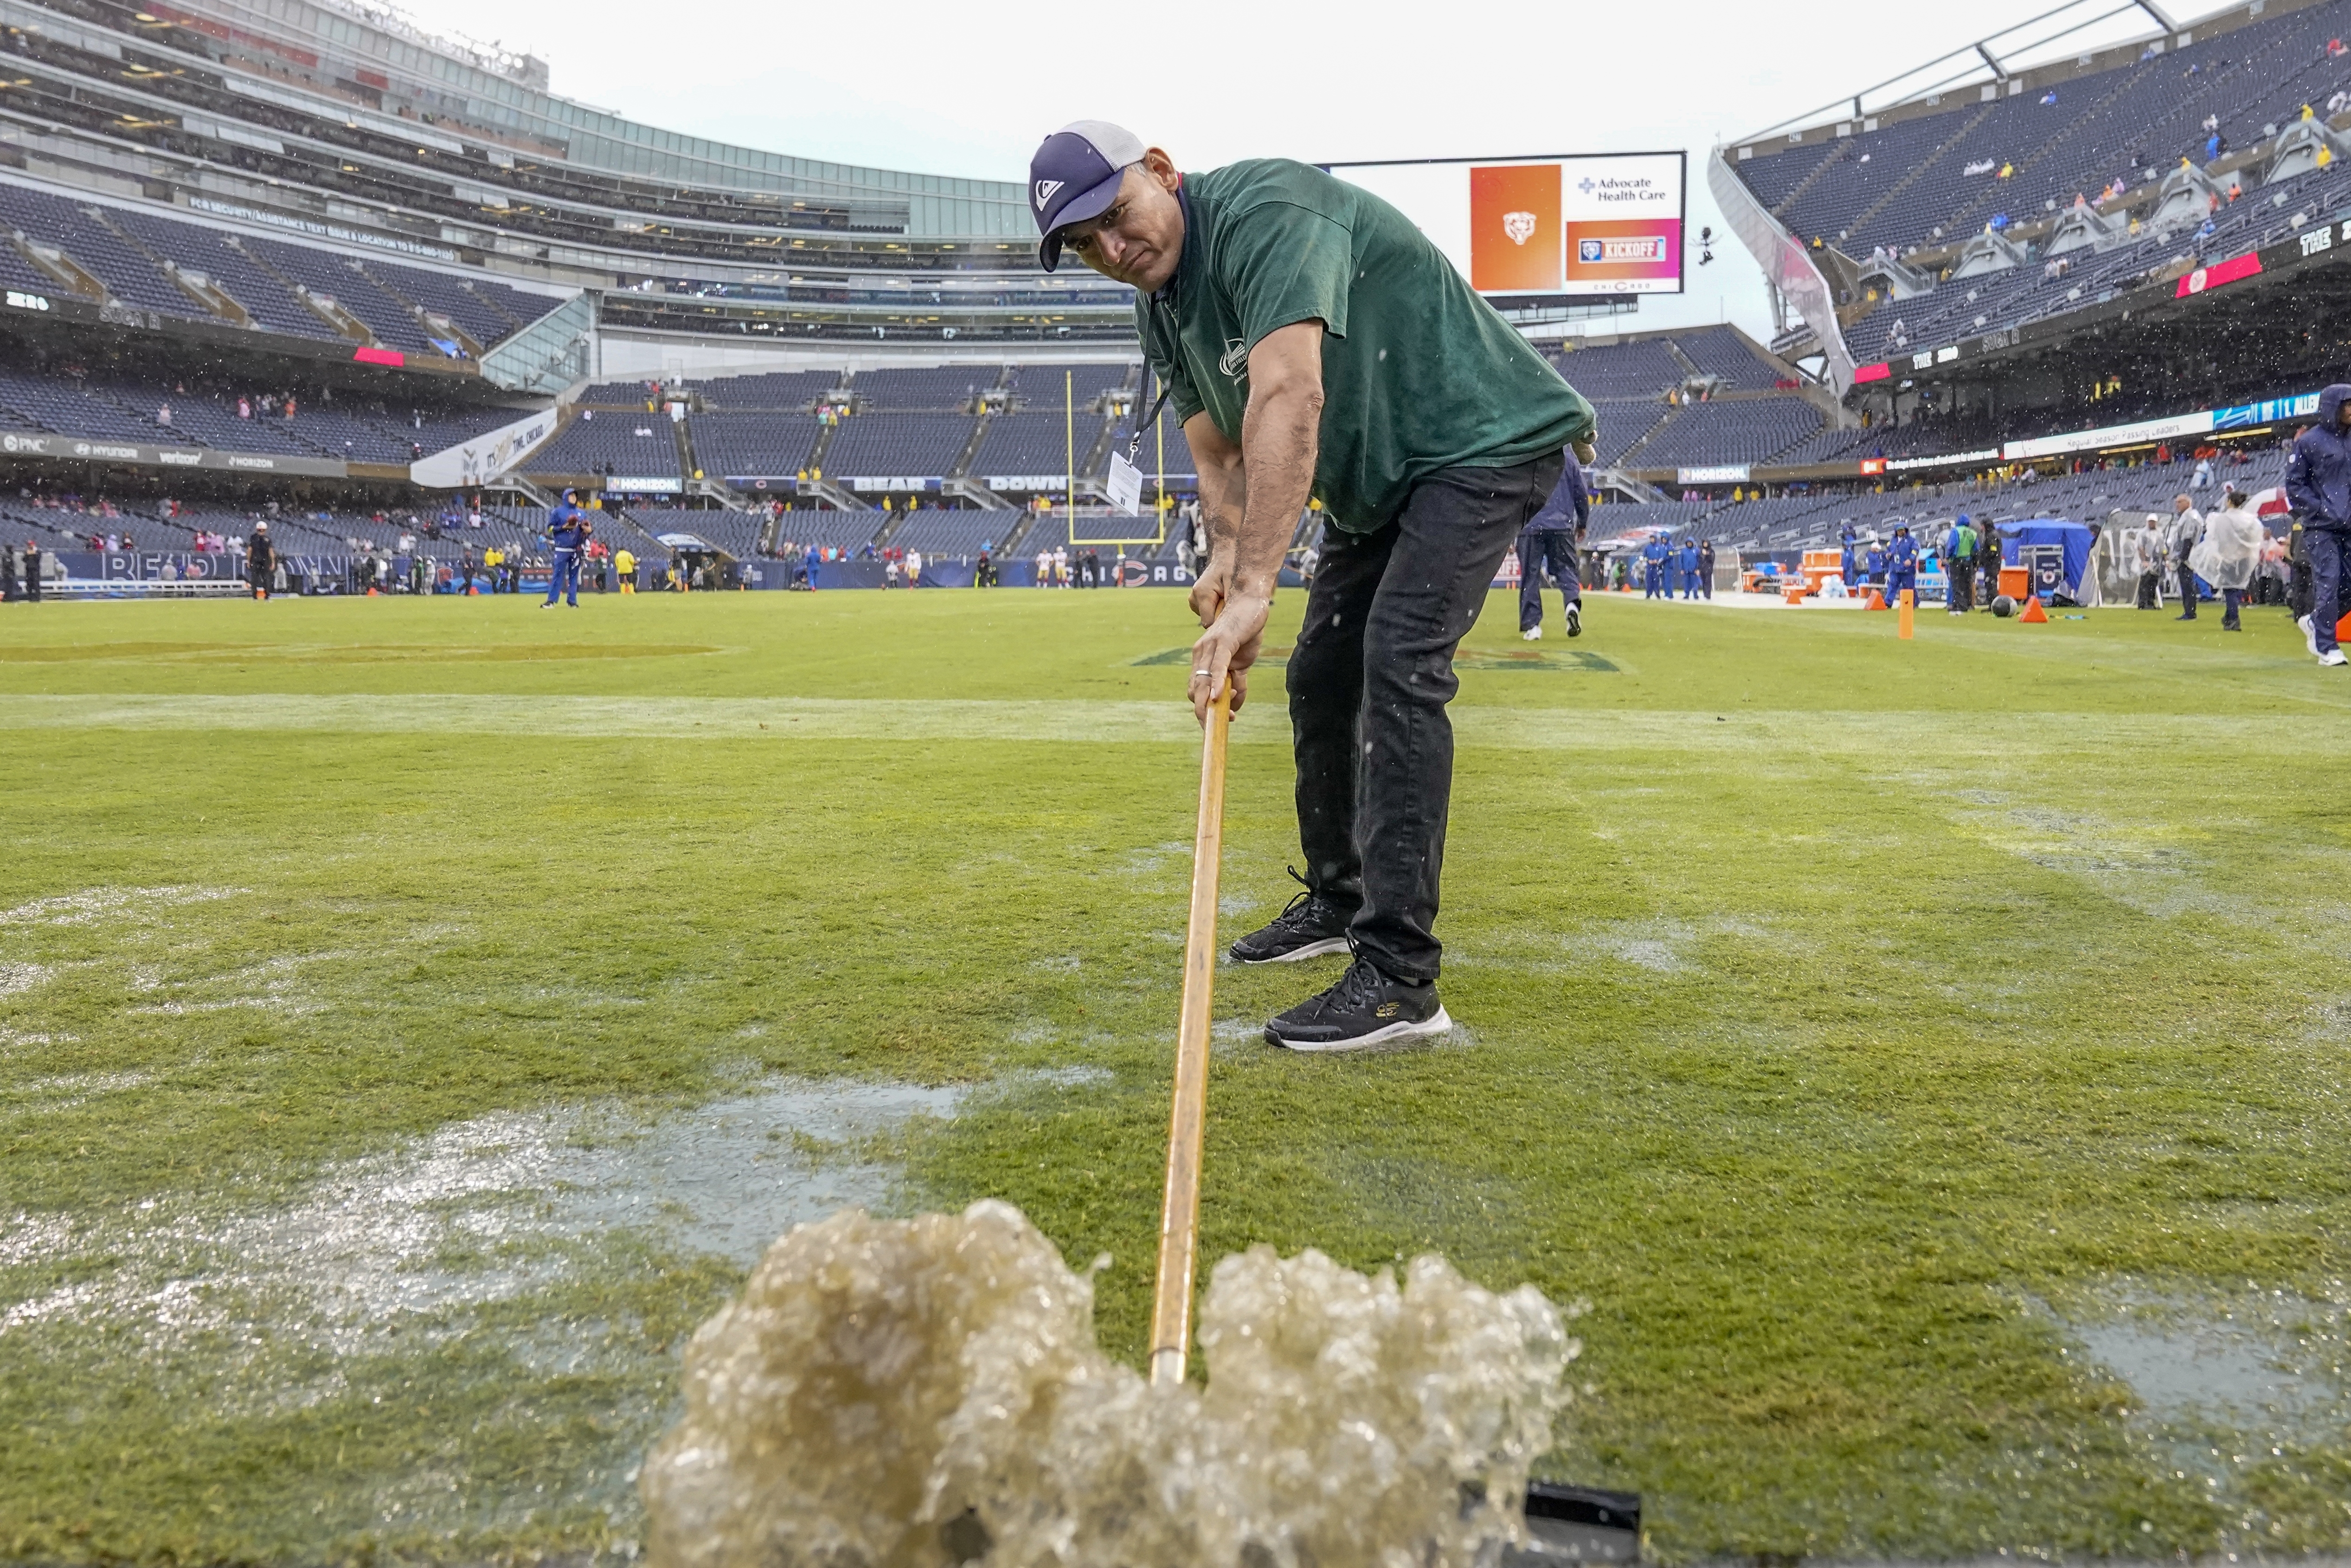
<point>1226,650</point>
<point>1212,586</point>
<point>1585,453</point>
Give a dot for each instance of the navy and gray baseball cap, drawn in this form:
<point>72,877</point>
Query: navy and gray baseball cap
<point>1075,175</point>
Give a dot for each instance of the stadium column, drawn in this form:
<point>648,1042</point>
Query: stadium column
<point>1069,435</point>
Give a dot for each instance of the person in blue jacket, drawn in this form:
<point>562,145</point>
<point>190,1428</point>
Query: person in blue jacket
<point>568,528</point>
<point>1686,557</point>
<point>1902,567</point>
<point>1873,565</point>
<point>1652,567</point>
<point>2318,488</point>
<point>1548,540</point>
<point>1846,538</point>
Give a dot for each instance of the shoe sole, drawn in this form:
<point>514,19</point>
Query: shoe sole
<point>1312,950</point>
<point>1438,1024</point>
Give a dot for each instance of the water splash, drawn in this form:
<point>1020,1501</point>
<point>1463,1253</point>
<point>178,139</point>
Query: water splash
<point>913,1394</point>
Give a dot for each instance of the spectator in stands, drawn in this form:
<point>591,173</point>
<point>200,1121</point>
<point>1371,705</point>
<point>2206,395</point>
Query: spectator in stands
<point>2187,528</point>
<point>2231,553</point>
<point>2318,488</point>
<point>1549,543</point>
<point>1374,379</point>
<point>260,560</point>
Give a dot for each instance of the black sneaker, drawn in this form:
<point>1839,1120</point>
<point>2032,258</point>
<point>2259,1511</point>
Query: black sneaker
<point>1308,927</point>
<point>1365,1007</point>
<point>1575,619</point>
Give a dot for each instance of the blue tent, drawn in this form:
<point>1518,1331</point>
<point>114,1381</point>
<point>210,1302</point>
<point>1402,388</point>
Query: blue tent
<point>2075,536</point>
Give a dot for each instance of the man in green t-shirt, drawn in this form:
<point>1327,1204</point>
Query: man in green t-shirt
<point>1316,346</point>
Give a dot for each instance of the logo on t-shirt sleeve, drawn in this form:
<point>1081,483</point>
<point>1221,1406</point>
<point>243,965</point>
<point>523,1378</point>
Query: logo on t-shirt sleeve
<point>1234,365</point>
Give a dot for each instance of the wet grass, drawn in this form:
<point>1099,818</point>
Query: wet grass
<point>1842,1020</point>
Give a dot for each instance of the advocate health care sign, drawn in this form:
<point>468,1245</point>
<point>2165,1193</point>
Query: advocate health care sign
<point>1518,227</point>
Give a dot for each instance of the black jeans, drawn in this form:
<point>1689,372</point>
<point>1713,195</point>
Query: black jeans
<point>2186,593</point>
<point>2146,594</point>
<point>1369,680</point>
<point>2231,598</point>
<point>1549,548</point>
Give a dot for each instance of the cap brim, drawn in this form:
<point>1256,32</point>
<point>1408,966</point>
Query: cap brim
<point>1090,203</point>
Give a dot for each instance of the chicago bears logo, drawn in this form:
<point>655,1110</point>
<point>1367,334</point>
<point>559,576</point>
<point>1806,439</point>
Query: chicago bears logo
<point>1520,226</point>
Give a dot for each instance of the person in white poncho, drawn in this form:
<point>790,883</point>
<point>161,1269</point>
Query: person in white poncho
<point>2230,553</point>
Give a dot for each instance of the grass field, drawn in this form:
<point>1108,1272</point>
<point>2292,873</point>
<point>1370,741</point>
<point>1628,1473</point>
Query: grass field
<point>1928,1060</point>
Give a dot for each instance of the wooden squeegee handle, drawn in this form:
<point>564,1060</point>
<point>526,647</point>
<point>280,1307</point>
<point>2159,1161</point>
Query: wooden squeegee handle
<point>1180,1210</point>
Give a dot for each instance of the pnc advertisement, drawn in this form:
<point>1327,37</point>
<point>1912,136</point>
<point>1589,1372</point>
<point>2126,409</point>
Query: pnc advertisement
<point>1525,229</point>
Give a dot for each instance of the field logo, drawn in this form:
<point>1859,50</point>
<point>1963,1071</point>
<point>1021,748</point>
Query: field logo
<point>1520,226</point>
<point>1045,189</point>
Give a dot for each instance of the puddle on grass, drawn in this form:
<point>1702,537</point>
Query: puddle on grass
<point>2271,1365</point>
<point>480,1211</point>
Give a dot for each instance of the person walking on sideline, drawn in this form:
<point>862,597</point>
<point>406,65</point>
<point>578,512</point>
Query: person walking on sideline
<point>1318,346</point>
<point>1549,543</point>
<point>2318,488</point>
<point>1706,567</point>
<point>32,572</point>
<point>1988,563</point>
<point>260,560</point>
<point>1901,567</point>
<point>1959,567</point>
<point>568,528</point>
<point>1846,538</point>
<point>2231,553</point>
<point>624,567</point>
<point>2187,528</point>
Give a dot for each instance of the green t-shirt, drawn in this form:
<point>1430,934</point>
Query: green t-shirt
<point>1419,374</point>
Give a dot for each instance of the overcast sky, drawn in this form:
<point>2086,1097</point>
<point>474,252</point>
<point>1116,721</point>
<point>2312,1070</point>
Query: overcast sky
<point>965,88</point>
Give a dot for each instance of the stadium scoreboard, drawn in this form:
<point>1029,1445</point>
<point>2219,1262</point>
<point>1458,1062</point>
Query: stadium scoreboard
<point>1544,230</point>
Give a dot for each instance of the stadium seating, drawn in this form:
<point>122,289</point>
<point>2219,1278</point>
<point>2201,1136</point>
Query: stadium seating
<point>736,533</point>
<point>1720,353</point>
<point>616,395</point>
<point>636,445</point>
<point>128,273</point>
<point>789,391</point>
<point>1041,386</point>
<point>850,531</point>
<point>207,252</point>
<point>1730,430</point>
<point>1034,445</point>
<point>904,390</point>
<point>752,446</point>
<point>338,279</point>
<point>945,531</point>
<point>1644,369</point>
<point>892,445</point>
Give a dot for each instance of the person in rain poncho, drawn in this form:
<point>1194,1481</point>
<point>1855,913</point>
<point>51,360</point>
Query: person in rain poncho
<point>2229,554</point>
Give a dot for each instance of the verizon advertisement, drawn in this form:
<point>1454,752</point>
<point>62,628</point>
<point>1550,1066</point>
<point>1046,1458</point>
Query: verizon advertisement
<point>1523,230</point>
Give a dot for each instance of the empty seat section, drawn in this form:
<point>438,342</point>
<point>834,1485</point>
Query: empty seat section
<point>631,445</point>
<point>948,387</point>
<point>897,445</point>
<point>332,276</point>
<point>1033,446</point>
<point>127,272</point>
<point>752,446</point>
<point>782,391</point>
<point>271,305</point>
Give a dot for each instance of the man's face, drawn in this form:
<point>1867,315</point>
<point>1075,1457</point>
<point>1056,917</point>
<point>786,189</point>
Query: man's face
<point>2180,503</point>
<point>1139,238</point>
<point>2343,415</point>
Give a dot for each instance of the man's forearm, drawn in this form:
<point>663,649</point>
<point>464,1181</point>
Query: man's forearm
<point>1279,438</point>
<point>1221,487</point>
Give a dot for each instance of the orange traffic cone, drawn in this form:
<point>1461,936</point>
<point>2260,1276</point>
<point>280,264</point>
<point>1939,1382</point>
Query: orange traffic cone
<point>370,593</point>
<point>2343,630</point>
<point>2034,614</point>
<point>1876,601</point>
<point>1904,631</point>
